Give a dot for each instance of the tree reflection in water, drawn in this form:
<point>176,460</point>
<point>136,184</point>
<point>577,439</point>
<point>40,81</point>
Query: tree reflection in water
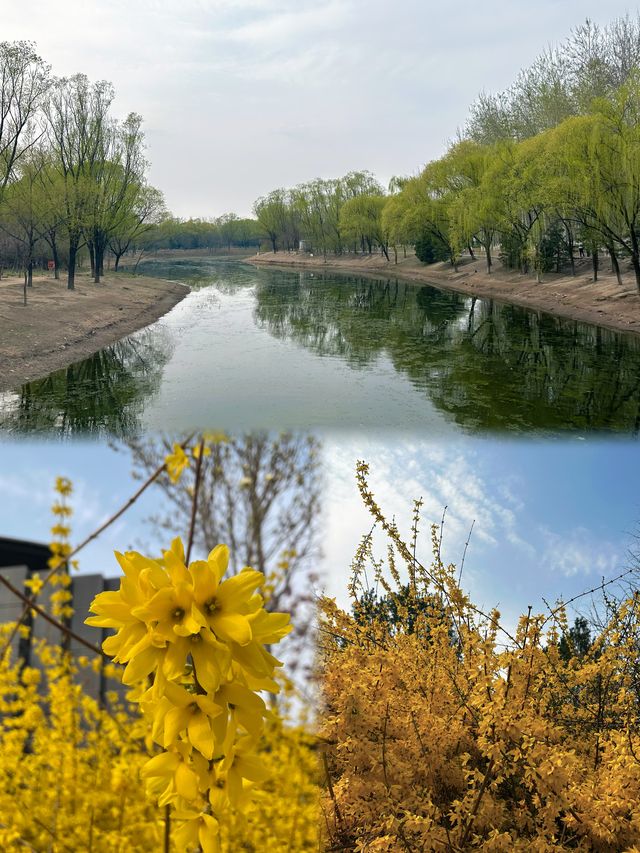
<point>104,393</point>
<point>484,365</point>
<point>489,366</point>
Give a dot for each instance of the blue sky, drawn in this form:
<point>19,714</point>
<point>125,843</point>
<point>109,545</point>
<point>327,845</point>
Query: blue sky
<point>550,518</point>
<point>242,96</point>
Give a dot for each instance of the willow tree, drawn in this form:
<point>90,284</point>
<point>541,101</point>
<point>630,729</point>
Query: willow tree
<point>361,220</point>
<point>116,181</point>
<point>427,212</point>
<point>594,164</point>
<point>460,175</point>
<point>273,214</point>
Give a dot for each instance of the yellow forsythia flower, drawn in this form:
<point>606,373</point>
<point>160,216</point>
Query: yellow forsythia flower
<point>195,641</point>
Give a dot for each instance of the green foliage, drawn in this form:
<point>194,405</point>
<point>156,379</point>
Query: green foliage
<point>430,249</point>
<point>401,610</point>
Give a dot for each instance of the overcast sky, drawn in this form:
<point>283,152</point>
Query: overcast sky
<point>241,96</point>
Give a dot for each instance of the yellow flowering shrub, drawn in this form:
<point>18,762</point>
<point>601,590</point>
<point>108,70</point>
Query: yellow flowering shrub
<point>194,759</point>
<point>443,732</point>
<point>68,767</point>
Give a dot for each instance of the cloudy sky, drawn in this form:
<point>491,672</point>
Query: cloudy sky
<point>241,96</point>
<point>551,519</point>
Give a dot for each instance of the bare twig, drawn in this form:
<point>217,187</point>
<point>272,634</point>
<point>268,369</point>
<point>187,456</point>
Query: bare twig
<point>30,601</point>
<point>464,553</point>
<point>30,605</point>
<point>194,504</point>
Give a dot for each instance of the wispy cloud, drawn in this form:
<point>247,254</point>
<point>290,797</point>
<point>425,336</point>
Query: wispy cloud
<point>401,472</point>
<point>579,552</point>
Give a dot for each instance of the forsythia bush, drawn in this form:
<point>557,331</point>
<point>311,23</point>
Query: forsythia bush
<point>68,768</point>
<point>444,733</point>
<point>194,759</point>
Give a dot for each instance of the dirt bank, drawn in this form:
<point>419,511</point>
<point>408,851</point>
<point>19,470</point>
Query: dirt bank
<point>58,326</point>
<point>603,303</point>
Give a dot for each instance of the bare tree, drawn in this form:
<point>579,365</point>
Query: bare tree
<point>24,82</point>
<point>260,495</point>
<point>78,125</point>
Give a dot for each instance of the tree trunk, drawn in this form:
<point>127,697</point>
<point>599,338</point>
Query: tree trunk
<point>615,266</point>
<point>635,257</point>
<point>570,247</point>
<point>98,256</point>
<point>56,258</point>
<point>487,249</point>
<point>30,274</point>
<point>595,262</point>
<point>384,251</point>
<point>116,264</point>
<point>635,260</point>
<point>92,256</point>
<point>73,253</point>
<point>473,257</point>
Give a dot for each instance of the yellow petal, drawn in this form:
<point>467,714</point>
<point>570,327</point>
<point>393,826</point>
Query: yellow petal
<point>232,627</point>
<point>200,734</point>
<point>208,834</point>
<point>236,591</point>
<point>186,782</point>
<point>140,666</point>
<point>208,670</point>
<point>163,764</point>
<point>218,559</point>
<point>175,722</point>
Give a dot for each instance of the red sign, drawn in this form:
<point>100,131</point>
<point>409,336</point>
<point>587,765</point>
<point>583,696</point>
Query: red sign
<point>51,265</point>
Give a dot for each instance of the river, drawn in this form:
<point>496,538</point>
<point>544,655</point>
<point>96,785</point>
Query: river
<point>264,348</point>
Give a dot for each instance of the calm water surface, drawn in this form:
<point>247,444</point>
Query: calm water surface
<point>251,348</point>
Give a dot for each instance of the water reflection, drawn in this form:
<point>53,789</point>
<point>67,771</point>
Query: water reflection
<point>267,348</point>
<point>104,393</point>
<point>489,366</point>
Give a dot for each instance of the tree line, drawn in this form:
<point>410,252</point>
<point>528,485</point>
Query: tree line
<point>547,170</point>
<point>72,176</point>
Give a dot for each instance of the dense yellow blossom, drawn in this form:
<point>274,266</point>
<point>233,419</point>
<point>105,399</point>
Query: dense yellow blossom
<point>198,639</point>
<point>443,732</point>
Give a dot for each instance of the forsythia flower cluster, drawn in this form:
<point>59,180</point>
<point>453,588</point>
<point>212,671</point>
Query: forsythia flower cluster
<point>177,462</point>
<point>68,766</point>
<point>442,732</point>
<point>194,644</point>
<point>59,563</point>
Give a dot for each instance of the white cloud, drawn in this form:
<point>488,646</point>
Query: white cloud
<point>579,552</point>
<point>401,471</point>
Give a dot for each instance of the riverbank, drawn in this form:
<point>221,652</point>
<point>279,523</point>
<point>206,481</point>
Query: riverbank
<point>602,303</point>
<point>58,326</point>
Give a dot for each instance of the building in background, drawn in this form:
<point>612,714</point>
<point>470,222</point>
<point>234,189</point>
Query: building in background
<point>19,561</point>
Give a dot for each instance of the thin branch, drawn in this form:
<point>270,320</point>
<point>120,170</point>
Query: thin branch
<point>194,504</point>
<point>30,601</point>
<point>464,553</point>
<point>52,621</point>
